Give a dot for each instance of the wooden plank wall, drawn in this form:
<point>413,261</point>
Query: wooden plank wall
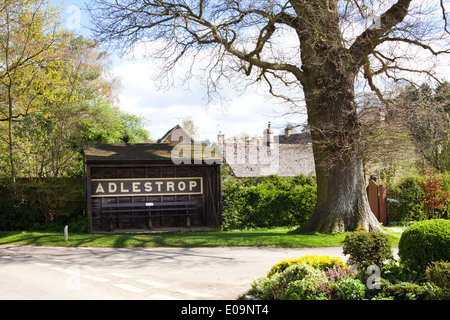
<point>207,215</point>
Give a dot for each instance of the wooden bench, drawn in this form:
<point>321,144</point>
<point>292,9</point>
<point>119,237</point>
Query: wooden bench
<point>182,208</point>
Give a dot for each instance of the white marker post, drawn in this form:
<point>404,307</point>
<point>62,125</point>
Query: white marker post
<point>66,233</point>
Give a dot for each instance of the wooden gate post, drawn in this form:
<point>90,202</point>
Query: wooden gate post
<point>377,201</point>
<point>373,198</point>
<point>382,204</point>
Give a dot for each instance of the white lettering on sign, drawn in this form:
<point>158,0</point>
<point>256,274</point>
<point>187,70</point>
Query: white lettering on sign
<point>99,189</point>
<point>112,187</point>
<point>136,187</point>
<point>159,183</point>
<point>122,189</point>
<point>151,186</point>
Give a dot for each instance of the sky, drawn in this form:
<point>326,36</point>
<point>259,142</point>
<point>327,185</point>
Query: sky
<point>248,113</point>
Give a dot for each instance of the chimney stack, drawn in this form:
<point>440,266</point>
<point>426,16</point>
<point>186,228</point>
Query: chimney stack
<point>220,138</point>
<point>288,131</point>
<point>268,136</point>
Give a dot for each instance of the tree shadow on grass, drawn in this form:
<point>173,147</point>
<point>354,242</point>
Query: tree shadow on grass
<point>241,238</point>
<point>271,238</point>
<point>31,239</point>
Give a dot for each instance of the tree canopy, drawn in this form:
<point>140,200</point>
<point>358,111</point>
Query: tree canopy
<point>56,93</point>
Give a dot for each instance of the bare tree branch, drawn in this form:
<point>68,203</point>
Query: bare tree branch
<point>171,17</point>
<point>366,42</point>
<point>368,74</point>
<point>416,43</point>
<point>444,16</point>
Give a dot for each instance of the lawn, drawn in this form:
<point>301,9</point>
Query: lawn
<point>277,237</point>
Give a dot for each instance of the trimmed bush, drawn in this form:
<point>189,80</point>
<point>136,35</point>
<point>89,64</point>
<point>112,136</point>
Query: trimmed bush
<point>404,290</point>
<point>306,277</point>
<point>424,242</point>
<point>439,273</point>
<point>412,291</point>
<point>367,248</point>
<point>316,261</point>
<point>432,292</point>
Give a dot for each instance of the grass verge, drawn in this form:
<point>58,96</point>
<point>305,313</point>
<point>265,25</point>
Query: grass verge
<point>277,237</point>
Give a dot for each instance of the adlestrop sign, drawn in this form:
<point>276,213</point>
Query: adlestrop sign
<point>146,187</point>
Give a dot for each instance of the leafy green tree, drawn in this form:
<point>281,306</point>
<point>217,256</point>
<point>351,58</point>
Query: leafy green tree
<point>107,124</point>
<point>28,32</point>
<point>74,101</point>
<point>133,128</point>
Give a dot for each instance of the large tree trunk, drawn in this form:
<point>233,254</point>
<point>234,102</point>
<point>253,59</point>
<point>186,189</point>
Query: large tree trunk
<point>342,202</point>
<point>329,71</point>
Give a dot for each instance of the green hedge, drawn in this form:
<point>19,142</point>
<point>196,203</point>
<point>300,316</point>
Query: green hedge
<point>409,196</point>
<point>43,205</point>
<point>266,201</point>
<point>15,210</point>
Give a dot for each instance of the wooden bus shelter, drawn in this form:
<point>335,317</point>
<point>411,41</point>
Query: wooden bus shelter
<point>141,187</point>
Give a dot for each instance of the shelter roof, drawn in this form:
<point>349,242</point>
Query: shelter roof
<point>149,153</point>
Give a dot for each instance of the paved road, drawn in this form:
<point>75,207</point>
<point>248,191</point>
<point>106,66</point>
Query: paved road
<point>136,273</point>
